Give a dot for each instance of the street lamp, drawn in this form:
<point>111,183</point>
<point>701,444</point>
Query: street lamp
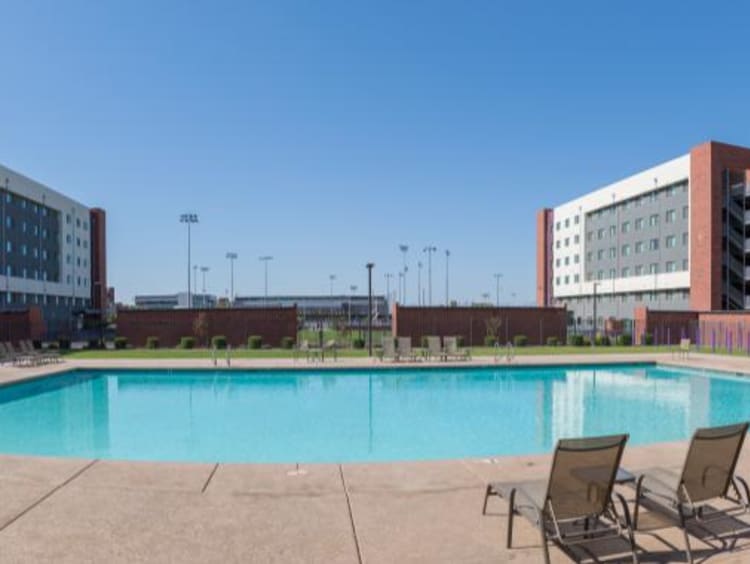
<point>331,278</point>
<point>232,257</point>
<point>486,297</point>
<point>353,289</point>
<point>497,276</point>
<point>404,248</point>
<point>265,260</point>
<point>388,277</point>
<point>370,266</point>
<point>429,249</point>
<point>204,269</point>
<point>189,219</point>
<point>195,281</point>
<point>419,283</point>
<point>401,277</point>
<point>447,264</point>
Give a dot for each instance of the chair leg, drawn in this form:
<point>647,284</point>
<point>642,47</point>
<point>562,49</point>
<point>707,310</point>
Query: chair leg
<point>487,494</point>
<point>687,538</point>
<point>511,513</point>
<point>545,547</point>
<point>638,489</point>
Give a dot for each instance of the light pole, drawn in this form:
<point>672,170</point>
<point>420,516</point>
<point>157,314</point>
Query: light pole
<point>429,249</point>
<point>388,277</point>
<point>400,283</point>
<point>331,278</point>
<point>204,269</point>
<point>419,283</point>
<point>353,288</point>
<point>404,249</point>
<point>265,260</point>
<point>195,281</point>
<point>189,219</point>
<point>447,264</point>
<point>486,297</point>
<point>370,266</point>
<point>232,257</point>
<point>497,276</point>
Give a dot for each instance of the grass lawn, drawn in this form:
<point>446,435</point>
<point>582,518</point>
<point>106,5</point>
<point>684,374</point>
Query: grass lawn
<point>285,353</point>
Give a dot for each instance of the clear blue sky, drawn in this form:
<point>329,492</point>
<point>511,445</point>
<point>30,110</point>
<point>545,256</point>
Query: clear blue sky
<point>326,133</point>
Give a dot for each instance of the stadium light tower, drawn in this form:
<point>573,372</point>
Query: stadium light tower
<point>429,249</point>
<point>404,249</point>
<point>265,260</point>
<point>232,257</point>
<point>189,219</point>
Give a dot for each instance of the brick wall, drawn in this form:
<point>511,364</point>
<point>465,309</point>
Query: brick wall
<point>17,325</point>
<point>720,329</point>
<point>272,324</point>
<point>536,323</point>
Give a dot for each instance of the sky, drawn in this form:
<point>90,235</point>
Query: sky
<point>326,133</point>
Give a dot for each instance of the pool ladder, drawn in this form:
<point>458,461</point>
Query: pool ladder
<point>215,356</point>
<point>510,352</point>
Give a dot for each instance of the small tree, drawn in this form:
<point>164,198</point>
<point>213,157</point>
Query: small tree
<point>200,327</point>
<point>492,326</point>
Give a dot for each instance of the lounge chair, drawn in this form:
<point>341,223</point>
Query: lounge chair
<point>388,352</point>
<point>333,347</point>
<point>576,505</point>
<point>15,357</point>
<point>434,350</point>
<point>404,350</point>
<point>683,350</point>
<point>706,476</point>
<point>453,352</point>
<point>44,357</point>
<point>310,352</point>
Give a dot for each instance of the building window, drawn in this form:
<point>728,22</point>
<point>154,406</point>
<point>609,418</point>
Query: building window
<point>685,239</point>
<point>576,259</point>
<point>567,279</point>
<point>557,226</point>
<point>67,218</point>
<point>567,261</point>
<point>612,231</point>
<point>639,270</point>
<point>8,246</point>
<point>557,263</point>
<point>653,220</point>
<point>625,226</point>
<point>684,212</point>
<point>600,254</point>
<point>626,250</point>
<point>576,239</point>
<point>613,252</point>
<point>590,236</point>
<point>685,264</point>
<point>567,241</point>
<point>612,273</point>
<point>653,268</point>
<point>557,281</point>
<point>639,224</point>
<point>600,275</point>
<point>590,256</point>
<point>653,244</point>
<point>557,244</point>
<point>625,272</point>
<point>639,247</point>
<point>600,234</point>
<point>576,220</point>
<point>576,278</point>
<point>68,238</point>
<point>670,216</point>
<point>671,241</point>
<point>671,266</point>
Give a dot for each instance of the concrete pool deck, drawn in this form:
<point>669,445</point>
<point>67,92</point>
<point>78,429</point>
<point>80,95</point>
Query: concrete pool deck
<point>76,510</point>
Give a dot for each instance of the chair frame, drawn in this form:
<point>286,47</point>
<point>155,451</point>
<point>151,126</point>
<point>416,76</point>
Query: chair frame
<point>688,509</point>
<point>553,529</point>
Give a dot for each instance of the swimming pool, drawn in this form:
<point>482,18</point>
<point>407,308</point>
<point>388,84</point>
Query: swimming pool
<point>357,415</point>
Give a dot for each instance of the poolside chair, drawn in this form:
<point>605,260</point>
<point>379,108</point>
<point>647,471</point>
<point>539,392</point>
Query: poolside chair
<point>452,350</point>
<point>434,350</point>
<point>683,351</point>
<point>707,476</point>
<point>388,351</point>
<point>43,357</point>
<point>404,350</point>
<point>15,357</point>
<point>576,505</point>
<point>333,347</point>
<point>310,352</point>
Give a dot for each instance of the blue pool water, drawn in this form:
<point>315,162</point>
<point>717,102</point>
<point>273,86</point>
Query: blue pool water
<point>357,415</point>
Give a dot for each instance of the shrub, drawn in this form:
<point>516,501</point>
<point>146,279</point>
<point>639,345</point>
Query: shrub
<point>624,340</point>
<point>254,342</point>
<point>187,343</point>
<point>152,342</point>
<point>648,339</point>
<point>576,340</point>
<point>490,340</point>
<point>459,341</point>
<point>586,342</point>
<point>358,343</point>
<point>520,340</point>
<point>601,341</point>
<point>121,342</point>
<point>287,343</point>
<point>219,342</point>
<point>552,341</point>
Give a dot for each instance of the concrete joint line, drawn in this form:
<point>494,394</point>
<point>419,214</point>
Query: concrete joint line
<point>210,477</point>
<point>351,515</point>
<point>49,494</point>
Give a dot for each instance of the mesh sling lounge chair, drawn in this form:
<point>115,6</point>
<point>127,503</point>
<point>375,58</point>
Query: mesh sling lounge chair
<point>404,350</point>
<point>707,475</point>
<point>434,350</point>
<point>452,350</point>
<point>388,352</point>
<point>576,504</point>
